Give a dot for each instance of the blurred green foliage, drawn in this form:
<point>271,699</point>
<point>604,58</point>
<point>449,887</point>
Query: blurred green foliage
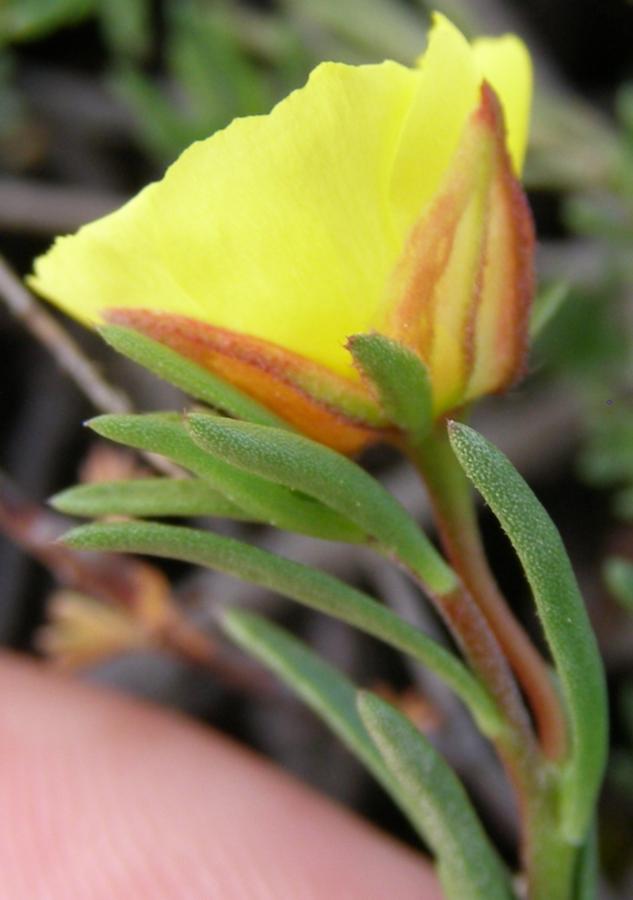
<point>618,574</point>
<point>608,459</point>
<point>600,348</point>
<point>211,77</point>
<point>187,67</point>
<point>27,20</point>
<point>11,106</point>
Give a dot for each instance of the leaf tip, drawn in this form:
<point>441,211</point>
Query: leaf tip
<point>460,436</point>
<point>100,423</point>
<point>58,501</point>
<point>69,538</point>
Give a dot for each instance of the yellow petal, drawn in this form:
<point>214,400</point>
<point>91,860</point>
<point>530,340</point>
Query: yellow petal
<point>278,226</point>
<point>505,63</point>
<point>287,228</point>
<point>447,91</point>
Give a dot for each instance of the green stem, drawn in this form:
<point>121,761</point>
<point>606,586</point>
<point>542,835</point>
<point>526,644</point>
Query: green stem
<point>563,617</point>
<point>456,517</point>
<point>551,861</point>
<point>515,743</point>
<point>548,860</point>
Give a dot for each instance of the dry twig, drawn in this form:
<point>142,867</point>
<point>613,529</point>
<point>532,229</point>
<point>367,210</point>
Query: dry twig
<point>64,350</point>
<point>68,355</point>
<point>36,208</point>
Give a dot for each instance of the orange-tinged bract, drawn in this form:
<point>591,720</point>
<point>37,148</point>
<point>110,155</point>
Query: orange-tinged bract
<point>461,291</point>
<point>309,396</point>
<point>377,198</point>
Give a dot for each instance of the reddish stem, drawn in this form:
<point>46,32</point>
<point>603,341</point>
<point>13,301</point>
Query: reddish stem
<point>456,519</point>
<point>516,746</point>
<point>475,638</point>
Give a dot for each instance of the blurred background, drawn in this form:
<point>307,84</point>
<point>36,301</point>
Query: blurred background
<point>96,98</point>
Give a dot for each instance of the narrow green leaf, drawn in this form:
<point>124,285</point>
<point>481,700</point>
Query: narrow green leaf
<point>401,379</point>
<point>187,375</point>
<point>127,27</point>
<point>546,305</point>
<point>158,125</point>
<point>27,21</point>
<point>562,613</point>
<point>310,587</point>
<point>384,29</point>
<point>302,464</point>
<point>147,497</point>
<point>618,576</point>
<point>165,433</point>
<point>326,691</point>
<point>467,864</point>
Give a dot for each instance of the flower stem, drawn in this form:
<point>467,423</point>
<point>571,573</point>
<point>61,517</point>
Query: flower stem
<point>499,649</point>
<point>550,860</point>
<point>456,519</point>
<point>516,746</point>
<point>479,645</point>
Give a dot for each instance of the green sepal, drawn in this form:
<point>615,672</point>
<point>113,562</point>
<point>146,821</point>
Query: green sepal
<point>191,378</point>
<point>562,614</point>
<point>146,498</point>
<point>467,864</point>
<point>400,379</point>
<point>336,481</point>
<point>314,589</point>
<point>325,690</point>
<point>164,433</point>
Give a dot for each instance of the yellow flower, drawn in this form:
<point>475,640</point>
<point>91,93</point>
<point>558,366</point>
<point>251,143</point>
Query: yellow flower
<point>376,198</point>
